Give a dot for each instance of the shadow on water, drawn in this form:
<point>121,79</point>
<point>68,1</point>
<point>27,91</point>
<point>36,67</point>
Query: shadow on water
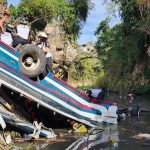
<point>113,136</point>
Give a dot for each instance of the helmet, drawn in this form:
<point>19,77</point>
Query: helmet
<point>6,12</point>
<point>23,20</point>
<point>10,28</point>
<point>42,35</point>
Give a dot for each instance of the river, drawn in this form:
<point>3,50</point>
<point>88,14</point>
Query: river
<point>114,137</point>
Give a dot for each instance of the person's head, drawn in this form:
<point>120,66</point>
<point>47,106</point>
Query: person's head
<point>42,36</point>
<point>103,89</point>
<point>24,20</point>
<point>88,93</point>
<point>130,97</point>
<point>72,123</point>
<point>84,45</point>
<point>6,13</point>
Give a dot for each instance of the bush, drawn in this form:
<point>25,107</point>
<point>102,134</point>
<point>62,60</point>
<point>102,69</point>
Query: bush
<point>142,90</point>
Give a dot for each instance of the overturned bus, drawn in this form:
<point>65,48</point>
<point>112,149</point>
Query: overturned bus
<point>18,70</point>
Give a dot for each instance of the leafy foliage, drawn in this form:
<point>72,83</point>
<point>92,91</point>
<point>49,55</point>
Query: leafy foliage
<point>86,68</point>
<point>70,13</point>
<point>124,46</point>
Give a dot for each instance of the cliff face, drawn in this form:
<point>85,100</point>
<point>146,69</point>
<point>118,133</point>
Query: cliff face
<point>141,75</point>
<point>85,70</point>
<point>60,47</point>
<point>84,65</point>
<point>138,80</point>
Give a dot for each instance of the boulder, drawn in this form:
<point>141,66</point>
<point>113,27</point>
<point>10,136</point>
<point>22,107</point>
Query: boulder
<point>61,49</point>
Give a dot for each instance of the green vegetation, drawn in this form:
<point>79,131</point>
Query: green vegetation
<point>123,48</point>
<point>70,14</point>
<point>123,62</point>
<point>85,69</point>
<point>142,89</point>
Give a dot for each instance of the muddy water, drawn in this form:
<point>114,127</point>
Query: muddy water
<point>114,136</point>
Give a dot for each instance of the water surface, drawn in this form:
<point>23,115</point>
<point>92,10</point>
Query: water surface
<point>114,136</point>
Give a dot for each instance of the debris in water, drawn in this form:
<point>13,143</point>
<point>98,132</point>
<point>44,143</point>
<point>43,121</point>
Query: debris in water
<point>78,128</point>
<point>142,136</point>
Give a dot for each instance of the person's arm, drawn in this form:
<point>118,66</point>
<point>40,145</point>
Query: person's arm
<point>1,25</point>
<point>2,21</point>
<point>31,36</point>
<point>46,49</point>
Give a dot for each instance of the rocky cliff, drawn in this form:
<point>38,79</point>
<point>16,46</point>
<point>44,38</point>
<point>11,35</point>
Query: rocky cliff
<point>61,48</point>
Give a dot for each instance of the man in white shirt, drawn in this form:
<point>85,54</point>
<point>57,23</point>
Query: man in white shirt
<point>23,31</point>
<point>6,36</point>
<point>43,44</point>
<point>22,35</point>
<point>96,93</point>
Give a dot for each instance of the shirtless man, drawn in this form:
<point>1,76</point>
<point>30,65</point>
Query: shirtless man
<point>4,19</point>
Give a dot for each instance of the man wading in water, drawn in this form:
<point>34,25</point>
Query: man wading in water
<point>96,93</point>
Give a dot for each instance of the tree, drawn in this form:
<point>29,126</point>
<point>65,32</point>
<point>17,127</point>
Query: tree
<point>139,9</point>
<point>143,3</point>
<point>144,6</point>
<point>70,13</point>
<point>124,46</point>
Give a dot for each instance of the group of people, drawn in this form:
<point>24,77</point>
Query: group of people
<point>19,34</point>
<point>123,113</point>
<point>23,36</point>
<point>14,34</point>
